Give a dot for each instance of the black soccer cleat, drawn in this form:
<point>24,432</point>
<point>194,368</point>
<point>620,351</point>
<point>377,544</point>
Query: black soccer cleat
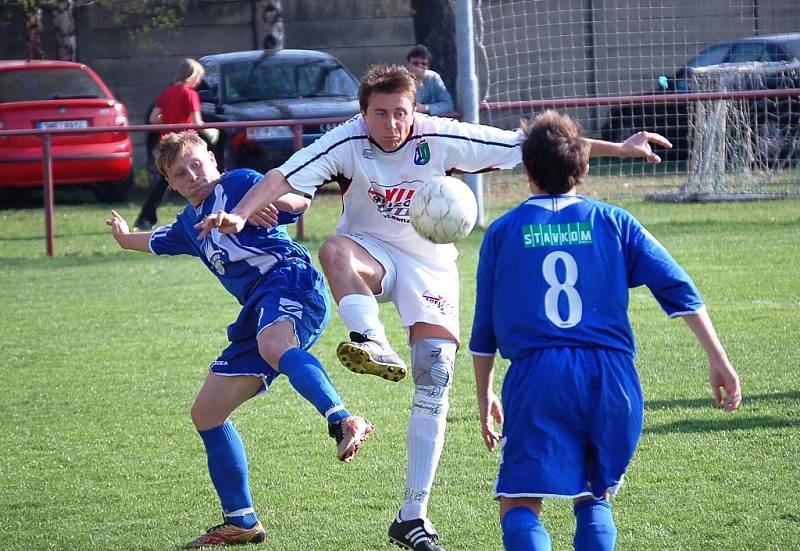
<point>416,534</point>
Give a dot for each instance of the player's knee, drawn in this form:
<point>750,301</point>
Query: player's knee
<point>432,361</point>
<point>203,417</point>
<point>333,254</point>
<point>432,364</point>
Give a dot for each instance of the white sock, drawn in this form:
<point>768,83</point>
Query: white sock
<point>360,313</point>
<point>425,440</point>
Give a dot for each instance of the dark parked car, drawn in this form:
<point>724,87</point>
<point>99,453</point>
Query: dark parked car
<point>775,120</point>
<point>269,85</point>
<point>63,95</point>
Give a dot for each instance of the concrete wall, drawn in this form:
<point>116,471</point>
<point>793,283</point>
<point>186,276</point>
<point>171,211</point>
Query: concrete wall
<point>138,66</point>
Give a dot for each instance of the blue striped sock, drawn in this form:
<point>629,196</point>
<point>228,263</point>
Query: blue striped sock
<point>312,382</point>
<point>522,531</point>
<point>227,465</point>
<point>594,526</point>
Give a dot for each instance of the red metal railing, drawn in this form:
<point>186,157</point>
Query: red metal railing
<point>47,156</point>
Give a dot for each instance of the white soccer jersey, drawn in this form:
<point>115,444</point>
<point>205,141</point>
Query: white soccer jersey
<point>377,186</point>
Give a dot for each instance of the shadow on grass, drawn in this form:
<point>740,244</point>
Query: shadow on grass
<point>654,405</point>
<point>739,421</point>
<point>723,423</point>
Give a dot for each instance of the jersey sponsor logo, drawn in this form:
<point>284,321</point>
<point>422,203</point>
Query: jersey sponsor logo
<point>291,307</point>
<point>394,203</point>
<point>440,303</point>
<point>552,235</point>
<point>422,154</point>
<point>367,154</point>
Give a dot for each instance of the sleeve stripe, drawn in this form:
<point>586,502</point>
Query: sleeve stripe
<point>331,148</point>
<point>469,139</point>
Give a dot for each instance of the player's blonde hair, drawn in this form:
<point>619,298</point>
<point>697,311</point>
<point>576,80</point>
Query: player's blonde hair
<point>554,152</point>
<point>173,145</point>
<point>386,79</point>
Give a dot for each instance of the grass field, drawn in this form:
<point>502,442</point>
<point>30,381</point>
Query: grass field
<point>105,349</point>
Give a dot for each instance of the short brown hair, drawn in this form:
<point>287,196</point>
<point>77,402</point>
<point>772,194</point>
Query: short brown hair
<point>173,145</point>
<point>554,152</point>
<point>386,79</point>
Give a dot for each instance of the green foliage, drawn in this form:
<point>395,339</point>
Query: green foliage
<point>105,349</point>
<point>146,15</point>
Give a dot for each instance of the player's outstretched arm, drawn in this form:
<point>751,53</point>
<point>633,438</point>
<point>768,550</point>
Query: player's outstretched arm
<point>723,378</point>
<point>134,241</point>
<point>489,408</point>
<point>268,190</point>
<point>637,145</point>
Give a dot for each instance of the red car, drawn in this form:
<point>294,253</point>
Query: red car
<point>61,94</point>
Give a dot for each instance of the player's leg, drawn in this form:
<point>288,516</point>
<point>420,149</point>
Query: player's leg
<point>522,530</point>
<point>357,273</point>
<point>614,434</point>
<point>433,358</point>
<point>291,314</point>
<point>227,460</point>
<point>594,524</point>
<point>278,345</point>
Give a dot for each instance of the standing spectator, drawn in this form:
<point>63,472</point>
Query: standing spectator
<point>178,103</point>
<point>552,297</point>
<point>432,95</point>
<point>380,158</point>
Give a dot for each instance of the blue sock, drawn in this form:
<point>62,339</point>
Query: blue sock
<point>595,529</point>
<point>227,465</point>
<point>522,531</point>
<point>310,379</point>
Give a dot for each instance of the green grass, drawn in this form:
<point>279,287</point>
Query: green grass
<point>105,349</point>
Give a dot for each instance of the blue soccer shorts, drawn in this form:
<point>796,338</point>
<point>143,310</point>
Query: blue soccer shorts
<point>573,418</point>
<point>292,290</point>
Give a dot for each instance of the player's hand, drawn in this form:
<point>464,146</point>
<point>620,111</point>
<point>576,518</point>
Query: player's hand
<point>491,412</point>
<point>266,217</point>
<point>225,222</point>
<point>725,384</point>
<point>638,145</point>
<point>119,226</point>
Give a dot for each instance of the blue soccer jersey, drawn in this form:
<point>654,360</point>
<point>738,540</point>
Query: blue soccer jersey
<point>238,260</point>
<point>555,271</point>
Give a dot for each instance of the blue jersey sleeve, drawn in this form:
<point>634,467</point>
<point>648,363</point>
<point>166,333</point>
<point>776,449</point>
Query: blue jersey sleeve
<point>649,263</point>
<point>483,341</point>
<point>172,238</point>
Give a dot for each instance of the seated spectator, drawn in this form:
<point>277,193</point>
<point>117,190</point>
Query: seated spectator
<point>432,95</point>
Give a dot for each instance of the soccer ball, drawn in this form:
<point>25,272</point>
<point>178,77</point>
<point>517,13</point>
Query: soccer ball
<point>443,210</point>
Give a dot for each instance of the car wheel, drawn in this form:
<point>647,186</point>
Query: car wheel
<point>114,192</point>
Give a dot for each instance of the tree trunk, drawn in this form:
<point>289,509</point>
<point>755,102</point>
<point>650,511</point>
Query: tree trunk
<point>435,27</point>
<point>272,14</point>
<point>32,10</point>
<point>64,23</point>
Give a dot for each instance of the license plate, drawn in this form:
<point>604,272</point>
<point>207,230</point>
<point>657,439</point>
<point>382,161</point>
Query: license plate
<point>50,125</point>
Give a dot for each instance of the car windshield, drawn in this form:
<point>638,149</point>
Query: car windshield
<point>44,84</point>
<point>265,79</point>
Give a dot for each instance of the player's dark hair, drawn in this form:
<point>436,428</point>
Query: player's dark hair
<point>419,51</point>
<point>173,145</point>
<point>386,79</point>
<point>554,153</point>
